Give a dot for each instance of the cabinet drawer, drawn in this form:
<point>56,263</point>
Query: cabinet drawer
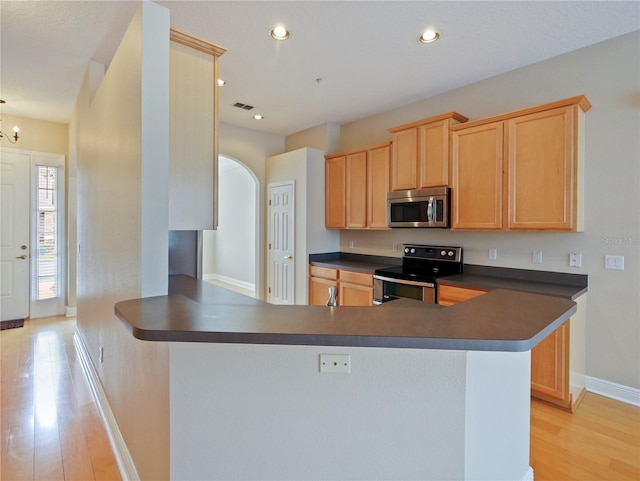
<point>449,295</point>
<point>360,278</point>
<point>325,272</point>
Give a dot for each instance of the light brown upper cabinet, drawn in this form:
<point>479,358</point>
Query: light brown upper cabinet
<point>335,192</point>
<point>356,195</point>
<point>420,156</point>
<point>377,186</point>
<point>193,132</point>
<point>476,171</point>
<point>356,186</point>
<point>521,170</point>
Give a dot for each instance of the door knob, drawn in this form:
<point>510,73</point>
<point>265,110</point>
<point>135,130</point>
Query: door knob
<point>288,257</point>
<point>23,256</point>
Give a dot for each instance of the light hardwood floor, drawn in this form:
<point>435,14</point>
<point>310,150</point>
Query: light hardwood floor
<point>600,441</point>
<point>51,429</point>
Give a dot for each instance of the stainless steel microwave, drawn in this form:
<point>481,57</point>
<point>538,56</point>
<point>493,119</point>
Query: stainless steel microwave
<point>419,208</point>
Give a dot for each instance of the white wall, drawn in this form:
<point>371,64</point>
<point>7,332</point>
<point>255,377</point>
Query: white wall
<point>252,148</point>
<point>306,168</point>
<point>121,137</point>
<point>609,75</point>
<point>399,414</point>
<point>230,250</point>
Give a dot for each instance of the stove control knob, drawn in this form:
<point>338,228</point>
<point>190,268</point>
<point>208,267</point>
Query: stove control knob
<point>443,253</point>
<point>413,251</point>
<point>450,253</point>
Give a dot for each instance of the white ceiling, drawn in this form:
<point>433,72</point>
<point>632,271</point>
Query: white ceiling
<point>366,53</point>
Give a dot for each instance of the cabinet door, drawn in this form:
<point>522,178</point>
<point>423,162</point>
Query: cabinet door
<point>434,154</point>
<point>404,160</point>
<point>319,290</point>
<point>334,196</point>
<point>450,295</point>
<point>550,366</point>
<point>542,171</point>
<point>356,289</point>
<point>377,187</point>
<point>477,184</point>
<point>355,295</point>
<point>192,158</point>
<point>356,200</point>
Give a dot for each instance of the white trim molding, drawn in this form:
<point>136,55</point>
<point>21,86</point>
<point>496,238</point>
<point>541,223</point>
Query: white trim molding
<point>528,475</point>
<point>121,453</point>
<point>230,280</point>
<point>71,311</point>
<point>620,392</point>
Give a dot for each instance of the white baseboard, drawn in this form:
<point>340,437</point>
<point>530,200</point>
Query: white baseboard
<point>528,475</point>
<point>230,280</point>
<point>576,379</point>
<point>613,390</point>
<point>121,453</point>
<point>71,311</point>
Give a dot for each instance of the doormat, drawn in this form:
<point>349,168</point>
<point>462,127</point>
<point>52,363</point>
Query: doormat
<point>11,324</point>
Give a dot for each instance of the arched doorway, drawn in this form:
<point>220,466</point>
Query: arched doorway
<point>229,254</point>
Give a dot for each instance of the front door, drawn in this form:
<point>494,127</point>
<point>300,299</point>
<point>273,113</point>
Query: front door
<point>14,234</point>
<point>280,269</point>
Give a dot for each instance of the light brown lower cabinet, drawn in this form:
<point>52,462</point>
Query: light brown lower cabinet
<point>450,295</point>
<point>550,368</point>
<point>549,359</point>
<point>320,280</point>
<point>354,288</point>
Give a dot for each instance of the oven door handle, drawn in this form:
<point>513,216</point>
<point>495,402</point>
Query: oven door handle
<point>402,281</point>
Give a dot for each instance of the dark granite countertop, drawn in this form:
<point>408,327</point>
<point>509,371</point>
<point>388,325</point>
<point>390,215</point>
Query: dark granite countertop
<point>353,262</point>
<point>557,284</point>
<point>196,311</point>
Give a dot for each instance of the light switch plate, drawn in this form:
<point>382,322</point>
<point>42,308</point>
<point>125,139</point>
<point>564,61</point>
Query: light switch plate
<point>537,257</point>
<point>614,262</point>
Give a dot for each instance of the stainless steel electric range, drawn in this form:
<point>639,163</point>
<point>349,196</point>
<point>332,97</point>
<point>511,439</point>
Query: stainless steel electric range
<point>416,277</point>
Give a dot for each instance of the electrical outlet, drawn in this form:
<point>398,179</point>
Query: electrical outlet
<point>493,254</point>
<point>575,260</point>
<point>395,247</point>
<point>335,363</point>
<point>537,257</point>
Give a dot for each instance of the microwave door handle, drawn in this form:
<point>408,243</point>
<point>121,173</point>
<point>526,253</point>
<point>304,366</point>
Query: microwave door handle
<point>430,211</point>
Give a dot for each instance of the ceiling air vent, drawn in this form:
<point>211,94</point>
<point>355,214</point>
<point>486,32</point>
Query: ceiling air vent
<point>242,106</point>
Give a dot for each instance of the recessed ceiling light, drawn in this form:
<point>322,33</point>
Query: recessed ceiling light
<point>258,117</point>
<point>280,33</point>
<point>429,36</point>
<point>221,83</point>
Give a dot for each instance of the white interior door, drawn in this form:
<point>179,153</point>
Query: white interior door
<point>280,271</point>
<point>15,193</point>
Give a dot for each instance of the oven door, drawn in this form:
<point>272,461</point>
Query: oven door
<point>387,289</point>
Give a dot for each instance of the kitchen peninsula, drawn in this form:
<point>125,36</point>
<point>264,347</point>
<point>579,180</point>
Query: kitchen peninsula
<point>431,392</point>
